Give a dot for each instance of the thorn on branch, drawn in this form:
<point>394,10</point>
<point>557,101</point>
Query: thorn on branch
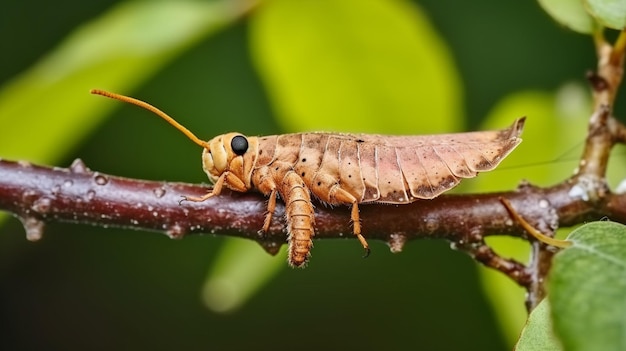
<point>34,228</point>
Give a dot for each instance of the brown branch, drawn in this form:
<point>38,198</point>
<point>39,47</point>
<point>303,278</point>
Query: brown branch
<point>37,195</point>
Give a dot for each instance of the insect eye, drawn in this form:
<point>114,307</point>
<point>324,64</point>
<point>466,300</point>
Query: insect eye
<point>239,144</point>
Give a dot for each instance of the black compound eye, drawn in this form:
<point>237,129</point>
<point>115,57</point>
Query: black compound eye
<point>239,144</point>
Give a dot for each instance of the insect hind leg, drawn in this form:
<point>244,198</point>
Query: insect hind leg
<point>342,196</point>
<point>356,228</point>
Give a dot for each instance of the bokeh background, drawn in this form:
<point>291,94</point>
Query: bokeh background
<point>387,66</point>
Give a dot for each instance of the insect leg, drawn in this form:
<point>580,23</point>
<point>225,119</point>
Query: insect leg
<point>342,196</point>
<point>271,207</point>
<point>217,189</point>
<point>226,178</point>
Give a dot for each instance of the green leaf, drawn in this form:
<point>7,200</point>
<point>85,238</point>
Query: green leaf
<point>571,14</point>
<point>238,272</point>
<point>611,13</point>
<point>369,66</point>
<point>47,110</point>
<point>537,334</point>
<point>587,288</point>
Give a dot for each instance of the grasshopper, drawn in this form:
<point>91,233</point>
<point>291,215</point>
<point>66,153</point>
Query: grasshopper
<point>341,169</point>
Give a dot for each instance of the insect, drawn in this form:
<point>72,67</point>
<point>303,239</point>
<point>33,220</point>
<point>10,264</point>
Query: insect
<point>341,169</point>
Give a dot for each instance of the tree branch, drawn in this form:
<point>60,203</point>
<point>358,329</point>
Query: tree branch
<point>37,195</point>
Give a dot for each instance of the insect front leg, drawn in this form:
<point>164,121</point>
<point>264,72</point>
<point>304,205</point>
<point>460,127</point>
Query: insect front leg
<point>226,178</point>
<point>217,189</point>
<point>340,195</point>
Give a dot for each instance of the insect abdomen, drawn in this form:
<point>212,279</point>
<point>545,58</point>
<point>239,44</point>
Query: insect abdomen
<point>300,218</point>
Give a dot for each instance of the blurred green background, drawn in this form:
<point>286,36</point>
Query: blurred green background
<point>381,66</point>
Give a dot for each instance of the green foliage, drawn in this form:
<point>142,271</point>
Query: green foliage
<point>610,13</point>
<point>375,59</point>
<point>586,287</point>
<point>586,294</point>
<point>571,14</point>
<point>238,273</point>
<point>587,16</point>
<point>537,333</point>
<point>118,51</point>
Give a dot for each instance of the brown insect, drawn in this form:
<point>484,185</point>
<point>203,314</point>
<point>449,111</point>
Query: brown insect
<point>341,169</point>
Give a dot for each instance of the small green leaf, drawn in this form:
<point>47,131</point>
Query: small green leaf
<point>367,66</point>
<point>571,14</point>
<point>239,271</point>
<point>587,288</point>
<point>611,13</point>
<point>537,334</point>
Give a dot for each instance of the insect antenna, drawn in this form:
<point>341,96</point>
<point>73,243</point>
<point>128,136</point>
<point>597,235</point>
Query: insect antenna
<point>562,158</point>
<point>155,110</point>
